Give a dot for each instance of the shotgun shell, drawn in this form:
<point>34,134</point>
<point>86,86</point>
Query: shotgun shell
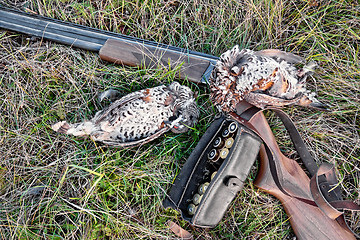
<point>213,155</point>
<point>223,153</point>
<point>191,209</point>
<point>229,142</point>
<point>218,142</point>
<point>197,198</point>
<point>213,175</point>
<point>225,133</point>
<point>202,188</point>
<point>232,127</point>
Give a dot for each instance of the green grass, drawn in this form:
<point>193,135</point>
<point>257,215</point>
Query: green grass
<point>54,186</point>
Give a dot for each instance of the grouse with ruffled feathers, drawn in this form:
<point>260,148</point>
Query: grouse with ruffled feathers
<point>139,117</point>
<point>267,78</point>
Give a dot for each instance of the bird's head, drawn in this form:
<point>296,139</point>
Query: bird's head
<point>186,112</point>
<point>186,117</point>
<point>308,100</point>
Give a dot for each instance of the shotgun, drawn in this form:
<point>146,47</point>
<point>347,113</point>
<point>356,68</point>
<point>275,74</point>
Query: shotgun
<point>308,222</point>
<point>112,47</point>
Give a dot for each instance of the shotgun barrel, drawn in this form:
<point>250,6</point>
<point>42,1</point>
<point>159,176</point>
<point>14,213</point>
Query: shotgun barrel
<point>92,39</point>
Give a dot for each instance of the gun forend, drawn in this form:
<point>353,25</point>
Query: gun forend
<point>193,68</point>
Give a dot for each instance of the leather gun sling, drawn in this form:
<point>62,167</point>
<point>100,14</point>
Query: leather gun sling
<point>326,197</point>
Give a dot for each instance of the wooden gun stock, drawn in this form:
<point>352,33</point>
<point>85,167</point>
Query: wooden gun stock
<point>307,221</point>
<point>193,68</point>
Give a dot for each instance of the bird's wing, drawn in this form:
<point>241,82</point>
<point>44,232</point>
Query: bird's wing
<point>122,101</point>
<point>138,142</point>
<point>275,53</point>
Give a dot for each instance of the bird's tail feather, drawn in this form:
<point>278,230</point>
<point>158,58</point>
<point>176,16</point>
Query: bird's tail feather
<point>278,54</point>
<point>306,70</point>
<point>309,68</point>
<point>77,129</point>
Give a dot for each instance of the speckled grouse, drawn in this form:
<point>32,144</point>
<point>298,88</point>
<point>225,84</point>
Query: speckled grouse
<point>139,117</point>
<point>265,78</point>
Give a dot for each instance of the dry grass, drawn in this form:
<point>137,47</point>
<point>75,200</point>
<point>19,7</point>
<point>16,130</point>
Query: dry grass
<point>59,187</point>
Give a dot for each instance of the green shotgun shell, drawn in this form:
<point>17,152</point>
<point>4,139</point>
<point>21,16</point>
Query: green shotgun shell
<point>191,209</point>
<point>218,142</point>
<point>213,155</point>
<point>202,188</point>
<point>197,198</point>
<point>225,133</point>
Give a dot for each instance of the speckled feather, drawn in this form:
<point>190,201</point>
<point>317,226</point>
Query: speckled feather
<point>264,78</point>
<point>139,117</point>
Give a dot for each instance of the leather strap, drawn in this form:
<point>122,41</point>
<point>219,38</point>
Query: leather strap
<point>330,208</point>
<point>323,185</point>
<point>272,162</point>
<point>319,198</point>
<point>299,144</point>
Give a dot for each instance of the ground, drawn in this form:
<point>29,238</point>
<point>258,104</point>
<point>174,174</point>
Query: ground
<point>54,186</point>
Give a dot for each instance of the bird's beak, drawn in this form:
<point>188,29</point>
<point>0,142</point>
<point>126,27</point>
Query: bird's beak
<point>320,106</point>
